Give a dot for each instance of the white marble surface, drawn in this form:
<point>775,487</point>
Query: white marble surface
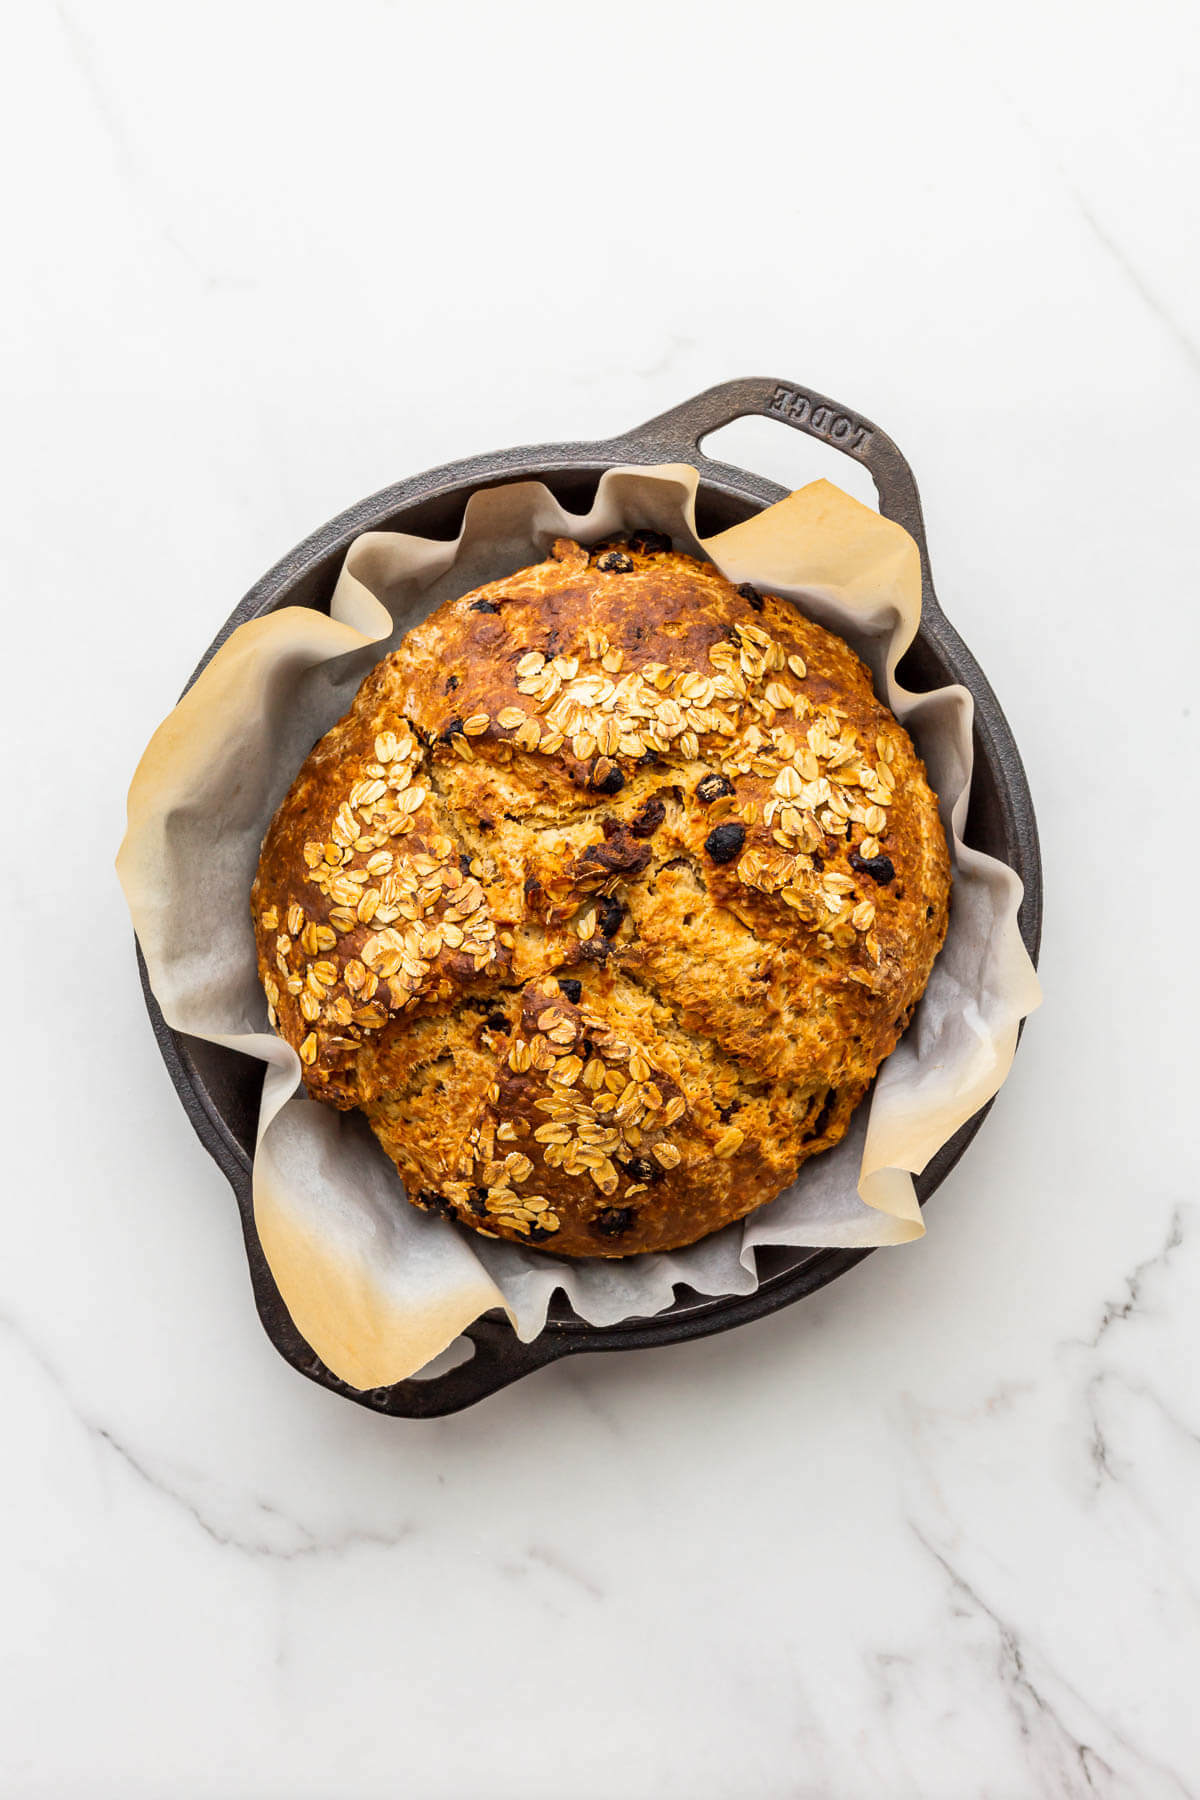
<point>933,1533</point>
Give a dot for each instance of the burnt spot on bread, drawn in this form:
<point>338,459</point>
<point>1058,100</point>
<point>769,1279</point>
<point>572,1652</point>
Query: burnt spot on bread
<point>571,988</point>
<point>820,1124</point>
<point>750,593</point>
<point>643,1168</point>
<point>619,854</point>
<point>879,868</point>
<point>725,842</point>
<point>451,684</point>
<point>611,782</point>
<point>484,606</point>
<point>645,823</point>
<point>713,787</point>
<point>614,1221</point>
<point>649,543</point>
<point>609,913</point>
<point>452,728</point>
<point>615,562</point>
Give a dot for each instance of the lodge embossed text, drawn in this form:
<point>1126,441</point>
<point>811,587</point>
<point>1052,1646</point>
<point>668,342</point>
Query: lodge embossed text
<point>842,429</point>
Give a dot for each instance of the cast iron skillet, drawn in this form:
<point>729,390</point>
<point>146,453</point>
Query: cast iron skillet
<point>220,1088</point>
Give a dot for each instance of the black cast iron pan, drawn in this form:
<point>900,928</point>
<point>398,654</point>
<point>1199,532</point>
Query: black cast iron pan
<point>220,1089</point>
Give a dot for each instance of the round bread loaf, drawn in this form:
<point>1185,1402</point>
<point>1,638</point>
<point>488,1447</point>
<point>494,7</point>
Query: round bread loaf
<point>605,901</point>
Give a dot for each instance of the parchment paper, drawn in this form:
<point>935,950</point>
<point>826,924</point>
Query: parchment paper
<point>376,1287</point>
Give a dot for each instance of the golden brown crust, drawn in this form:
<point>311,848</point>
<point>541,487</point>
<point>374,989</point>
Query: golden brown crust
<point>605,900</point>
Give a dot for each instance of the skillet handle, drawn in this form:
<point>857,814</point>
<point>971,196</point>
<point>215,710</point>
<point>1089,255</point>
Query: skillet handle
<point>499,1358</point>
<point>676,436</point>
